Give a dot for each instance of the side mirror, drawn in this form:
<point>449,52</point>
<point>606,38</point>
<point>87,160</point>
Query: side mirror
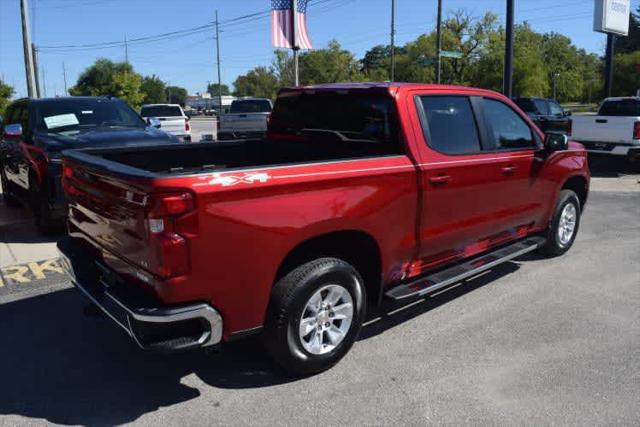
<point>12,131</point>
<point>154,122</point>
<point>567,113</point>
<point>555,142</point>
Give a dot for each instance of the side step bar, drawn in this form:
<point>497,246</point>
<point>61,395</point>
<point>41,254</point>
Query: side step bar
<point>441,279</point>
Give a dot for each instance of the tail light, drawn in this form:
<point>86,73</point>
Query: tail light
<point>187,126</point>
<point>636,130</point>
<point>171,220</point>
<point>569,127</point>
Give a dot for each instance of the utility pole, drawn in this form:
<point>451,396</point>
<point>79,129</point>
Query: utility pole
<point>28,54</point>
<point>439,43</point>
<point>219,74</point>
<point>608,68</point>
<point>44,84</point>
<point>64,76</point>
<point>507,85</point>
<point>294,42</point>
<point>126,50</point>
<point>34,51</point>
<point>393,40</point>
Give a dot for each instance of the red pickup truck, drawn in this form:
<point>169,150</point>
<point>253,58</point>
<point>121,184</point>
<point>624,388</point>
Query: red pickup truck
<point>359,192</point>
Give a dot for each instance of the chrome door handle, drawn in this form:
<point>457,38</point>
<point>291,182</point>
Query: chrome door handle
<point>440,179</point>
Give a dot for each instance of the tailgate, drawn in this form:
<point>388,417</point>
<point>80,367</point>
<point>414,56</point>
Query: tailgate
<point>249,121</point>
<point>172,124</point>
<point>604,129</point>
<point>129,221</point>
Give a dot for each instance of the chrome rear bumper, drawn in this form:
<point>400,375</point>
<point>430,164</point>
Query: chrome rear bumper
<point>151,325</point>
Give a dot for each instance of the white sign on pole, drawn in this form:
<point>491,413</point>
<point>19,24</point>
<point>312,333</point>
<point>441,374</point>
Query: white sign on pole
<point>612,16</point>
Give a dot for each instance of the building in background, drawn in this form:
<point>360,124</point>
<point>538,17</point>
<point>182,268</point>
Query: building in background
<point>204,102</point>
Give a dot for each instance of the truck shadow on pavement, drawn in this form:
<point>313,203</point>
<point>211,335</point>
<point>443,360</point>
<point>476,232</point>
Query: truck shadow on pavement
<point>603,166</point>
<point>62,367</point>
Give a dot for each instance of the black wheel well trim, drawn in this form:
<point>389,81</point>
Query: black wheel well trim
<point>579,185</point>
<point>358,248</point>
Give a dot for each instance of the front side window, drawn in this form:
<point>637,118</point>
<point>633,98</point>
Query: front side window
<point>541,106</point>
<point>450,126</point>
<point>507,130</point>
<point>556,109</point>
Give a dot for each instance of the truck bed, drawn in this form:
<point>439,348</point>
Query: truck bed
<point>162,160</point>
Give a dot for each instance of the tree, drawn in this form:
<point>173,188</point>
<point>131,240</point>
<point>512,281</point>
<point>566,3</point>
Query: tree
<point>105,77</point>
<point>330,65</point>
<point>154,90</point>
<point>212,89</point>
<point>176,95</point>
<point>626,74</point>
<point>631,43</point>
<point>6,92</point>
<point>261,82</point>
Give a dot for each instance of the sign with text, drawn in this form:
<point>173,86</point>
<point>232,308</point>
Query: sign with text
<point>612,16</point>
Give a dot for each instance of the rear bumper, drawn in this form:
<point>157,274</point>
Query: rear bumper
<point>150,324</point>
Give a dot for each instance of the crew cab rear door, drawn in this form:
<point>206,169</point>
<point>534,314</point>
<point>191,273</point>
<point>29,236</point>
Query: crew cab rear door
<point>474,195</point>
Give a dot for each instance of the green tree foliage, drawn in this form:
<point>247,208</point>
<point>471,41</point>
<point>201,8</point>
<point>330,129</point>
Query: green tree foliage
<point>6,92</point>
<point>212,89</point>
<point>176,95</point>
<point>154,90</point>
<point>261,82</point>
<point>105,77</point>
<point>626,80</point>
<point>630,43</point>
<point>330,65</point>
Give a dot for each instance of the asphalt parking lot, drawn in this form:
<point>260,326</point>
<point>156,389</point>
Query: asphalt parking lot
<point>536,341</point>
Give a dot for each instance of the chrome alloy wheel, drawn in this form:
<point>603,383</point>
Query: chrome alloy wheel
<point>567,225</point>
<point>326,319</point>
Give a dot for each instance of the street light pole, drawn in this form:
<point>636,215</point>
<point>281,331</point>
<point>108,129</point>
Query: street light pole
<point>294,43</point>
<point>27,47</point>
<point>218,59</point>
<point>507,85</point>
<point>608,69</point>
<point>393,40</point>
<point>439,43</point>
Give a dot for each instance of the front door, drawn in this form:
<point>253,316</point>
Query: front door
<point>474,193</point>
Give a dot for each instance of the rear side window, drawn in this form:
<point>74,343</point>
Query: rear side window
<point>526,105</point>
<point>506,129</point>
<point>624,107</point>
<point>450,126</point>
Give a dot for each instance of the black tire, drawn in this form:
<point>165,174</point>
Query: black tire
<point>555,246</point>
<point>42,214</point>
<point>9,199</point>
<point>287,306</point>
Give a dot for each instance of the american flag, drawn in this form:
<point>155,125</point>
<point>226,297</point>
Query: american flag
<point>282,24</point>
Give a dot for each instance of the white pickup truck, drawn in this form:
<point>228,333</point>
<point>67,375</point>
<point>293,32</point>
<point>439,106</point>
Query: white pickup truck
<point>247,119</point>
<point>171,118</point>
<point>614,130</point>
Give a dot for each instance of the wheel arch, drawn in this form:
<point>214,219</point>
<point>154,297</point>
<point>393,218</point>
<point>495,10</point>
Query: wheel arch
<point>579,185</point>
<point>358,248</point>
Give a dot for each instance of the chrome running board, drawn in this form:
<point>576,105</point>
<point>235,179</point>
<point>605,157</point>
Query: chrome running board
<point>449,276</point>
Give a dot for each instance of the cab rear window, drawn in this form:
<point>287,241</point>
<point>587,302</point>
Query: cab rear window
<point>625,107</point>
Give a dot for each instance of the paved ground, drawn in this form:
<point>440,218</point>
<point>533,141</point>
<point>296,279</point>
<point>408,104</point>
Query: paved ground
<point>532,342</point>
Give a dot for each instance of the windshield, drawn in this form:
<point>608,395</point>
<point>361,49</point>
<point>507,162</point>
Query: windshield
<point>73,114</point>
<point>339,115</point>
<point>625,107</point>
<point>250,106</point>
<point>526,105</point>
<point>161,111</point>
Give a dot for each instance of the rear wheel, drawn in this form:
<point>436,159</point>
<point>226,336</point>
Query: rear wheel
<point>9,199</point>
<point>315,315</point>
<point>564,224</point>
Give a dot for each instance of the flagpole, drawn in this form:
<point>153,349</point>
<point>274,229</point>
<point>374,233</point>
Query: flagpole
<point>294,42</point>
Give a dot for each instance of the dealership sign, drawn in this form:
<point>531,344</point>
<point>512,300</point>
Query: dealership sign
<point>612,16</point>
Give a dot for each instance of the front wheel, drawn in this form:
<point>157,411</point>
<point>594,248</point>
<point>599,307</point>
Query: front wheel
<point>42,214</point>
<point>315,315</point>
<point>564,224</point>
<point>9,199</point>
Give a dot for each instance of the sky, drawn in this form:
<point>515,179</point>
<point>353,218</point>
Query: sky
<point>187,59</point>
